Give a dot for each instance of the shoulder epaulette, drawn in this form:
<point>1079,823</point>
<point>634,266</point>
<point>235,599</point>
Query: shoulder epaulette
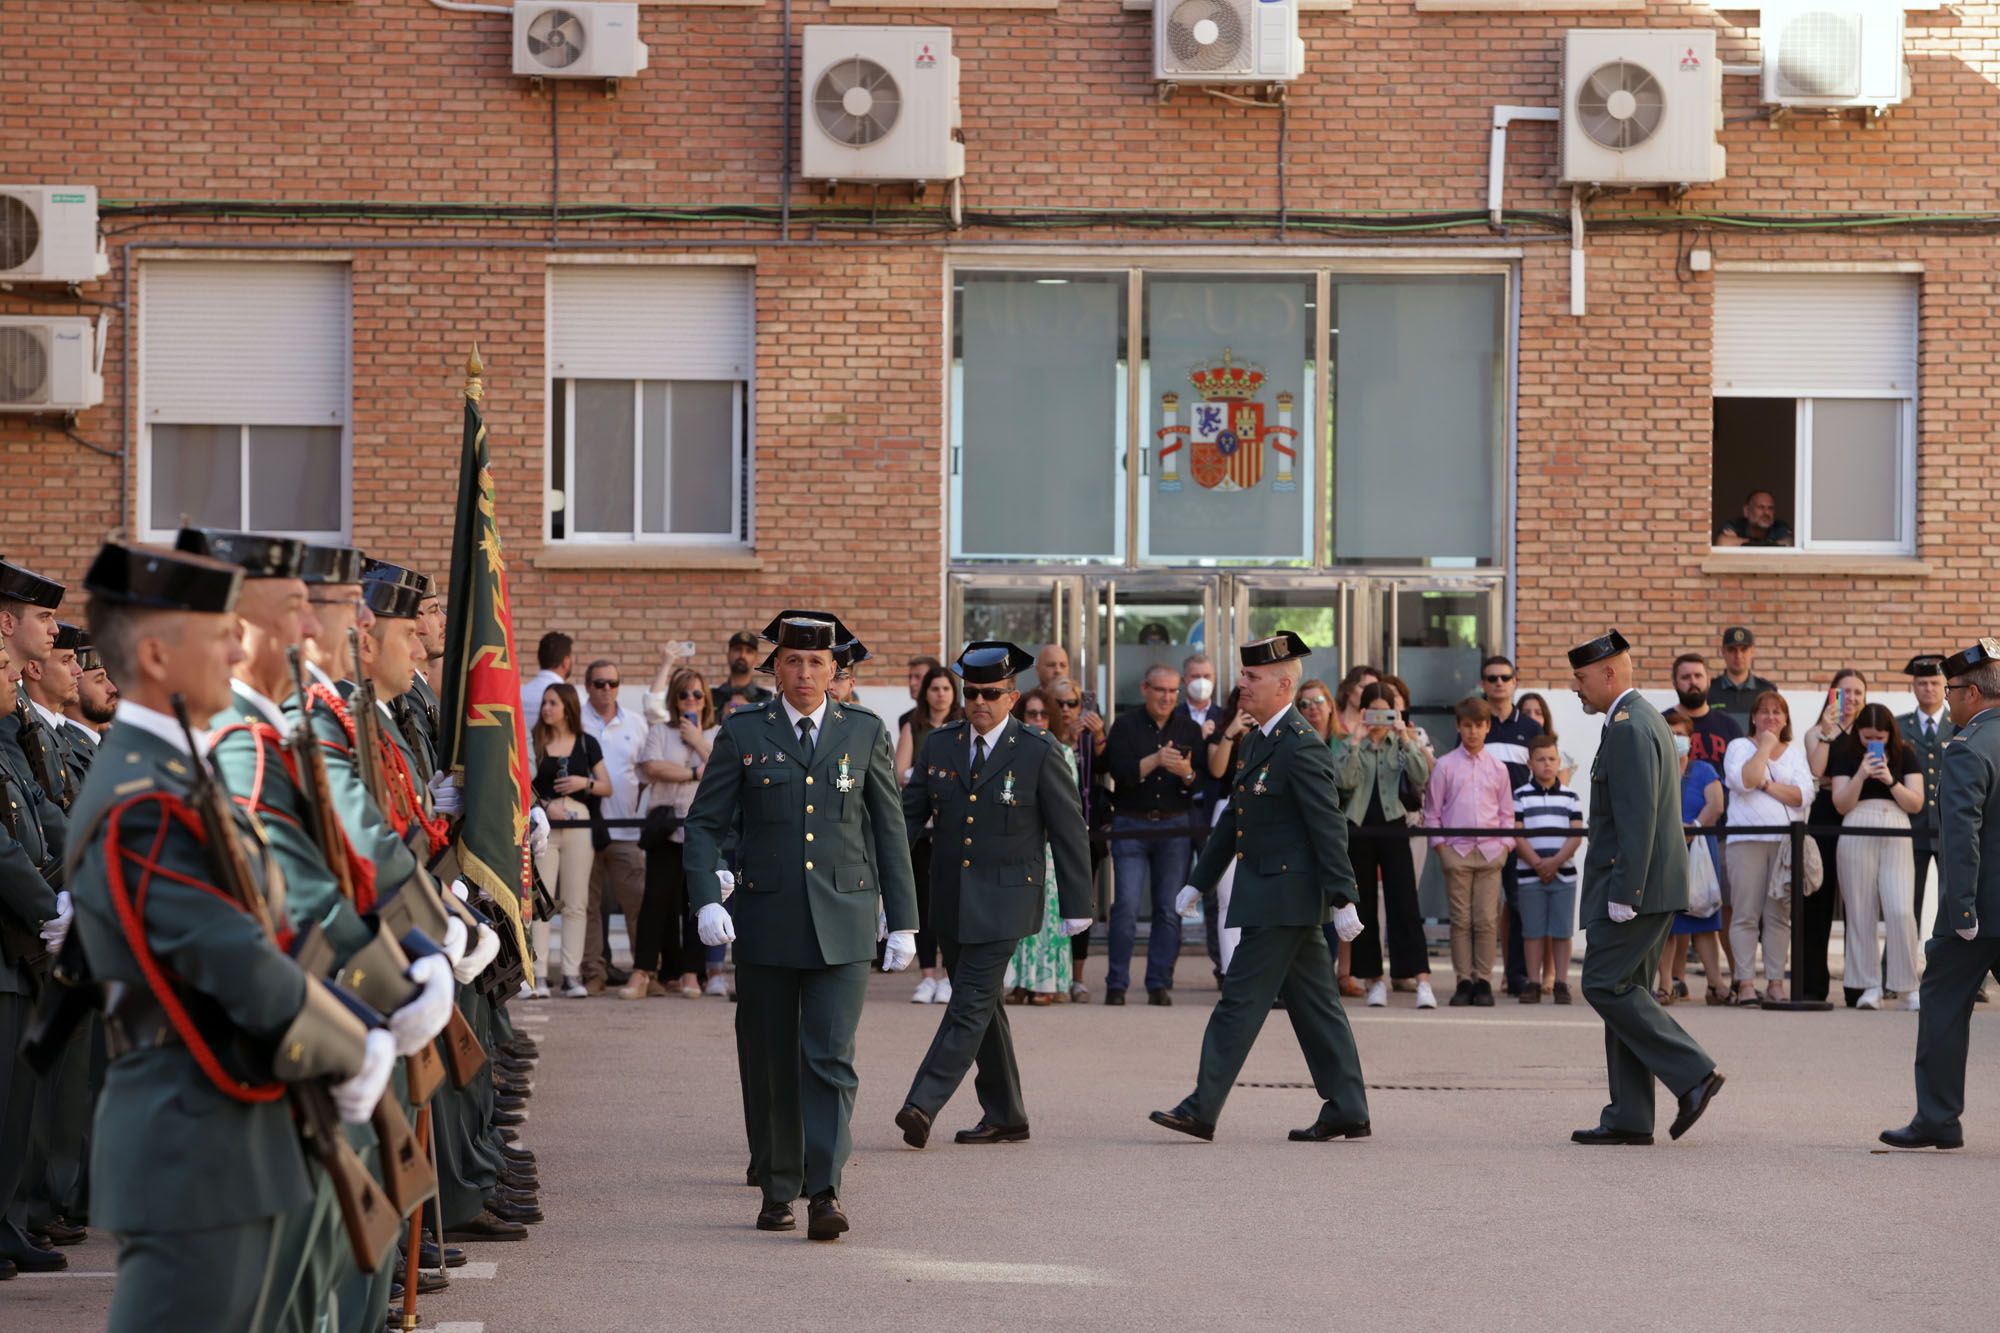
<point>861,708</point>
<point>957,724</point>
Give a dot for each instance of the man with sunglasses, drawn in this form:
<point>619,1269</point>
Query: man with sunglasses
<point>620,867</point>
<point>1507,740</point>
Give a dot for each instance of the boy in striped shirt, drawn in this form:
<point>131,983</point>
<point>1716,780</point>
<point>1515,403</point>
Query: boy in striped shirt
<point>1551,820</point>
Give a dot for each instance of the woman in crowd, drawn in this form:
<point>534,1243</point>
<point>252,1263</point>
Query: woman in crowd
<point>1072,726</point>
<point>672,761</point>
<point>1041,963</point>
<point>1380,772</point>
<point>570,780</point>
<point>1535,706</point>
<point>1329,714</point>
<point>1315,703</point>
<point>937,704</point>
<point>1347,699</point>
<point>1701,803</point>
<point>1769,783</point>
<point>1833,735</point>
<point>1878,783</point>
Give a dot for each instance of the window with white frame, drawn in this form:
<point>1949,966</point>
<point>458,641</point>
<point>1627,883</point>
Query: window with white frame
<point>1815,412</point>
<point>649,404</point>
<point>244,389</point>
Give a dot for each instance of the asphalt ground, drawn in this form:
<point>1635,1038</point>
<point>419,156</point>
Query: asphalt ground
<point>1467,1206</point>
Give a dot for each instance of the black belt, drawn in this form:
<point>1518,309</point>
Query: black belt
<point>134,1021</point>
<point>1154,816</point>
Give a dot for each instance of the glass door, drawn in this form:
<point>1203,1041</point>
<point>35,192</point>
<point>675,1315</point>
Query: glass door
<point>1139,621</point>
<point>1434,632</point>
<point>1027,609</point>
<point>1320,611</point>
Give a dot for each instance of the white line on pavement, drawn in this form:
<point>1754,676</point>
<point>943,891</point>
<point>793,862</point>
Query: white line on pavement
<point>472,1268</point>
<point>924,1267</point>
<point>75,1272</point>
<point>1580,1024</point>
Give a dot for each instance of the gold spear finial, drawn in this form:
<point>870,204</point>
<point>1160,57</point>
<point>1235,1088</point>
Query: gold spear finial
<point>474,368</point>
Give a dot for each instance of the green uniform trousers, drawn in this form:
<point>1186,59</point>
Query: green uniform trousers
<point>211,1280</point>
<point>54,1184</point>
<point>1640,1042</point>
<point>1293,962</point>
<point>756,1095</point>
<point>804,1021</point>
<point>17,1109</point>
<point>974,1028</point>
<point>312,1260</point>
<point>1954,969</point>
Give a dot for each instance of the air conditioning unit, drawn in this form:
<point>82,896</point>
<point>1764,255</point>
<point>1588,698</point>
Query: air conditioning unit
<point>1227,41</point>
<point>577,41</point>
<point>1833,56</point>
<point>880,104</point>
<point>1641,106</point>
<point>48,364</point>
<point>48,233</point>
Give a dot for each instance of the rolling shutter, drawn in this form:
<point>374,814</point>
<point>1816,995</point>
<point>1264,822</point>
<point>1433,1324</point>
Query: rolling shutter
<point>244,343</point>
<point>646,322</point>
<point>1790,335</point>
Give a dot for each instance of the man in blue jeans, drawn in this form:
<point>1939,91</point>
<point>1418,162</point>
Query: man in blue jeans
<point>1151,757</point>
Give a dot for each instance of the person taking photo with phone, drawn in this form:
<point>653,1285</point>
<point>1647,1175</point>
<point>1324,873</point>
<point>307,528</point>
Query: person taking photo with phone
<point>1831,736</point>
<point>1878,783</point>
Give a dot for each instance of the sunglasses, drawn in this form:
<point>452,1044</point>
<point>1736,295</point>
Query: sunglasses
<point>603,684</point>
<point>1069,703</point>
<point>690,694</point>
<point>1312,701</point>
<point>990,693</point>
<point>1497,680</point>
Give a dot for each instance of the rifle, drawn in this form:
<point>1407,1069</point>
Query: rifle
<point>367,730</point>
<point>372,1225</point>
<point>41,750</point>
<point>71,994</point>
<point>314,787</point>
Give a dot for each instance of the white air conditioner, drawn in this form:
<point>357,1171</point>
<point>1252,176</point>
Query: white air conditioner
<point>48,364</point>
<point>48,233</point>
<point>879,104</point>
<point>1833,55</point>
<point>1227,41</point>
<point>577,41</point>
<point>1641,106</point>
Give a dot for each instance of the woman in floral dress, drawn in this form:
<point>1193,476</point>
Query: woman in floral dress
<point>1041,966</point>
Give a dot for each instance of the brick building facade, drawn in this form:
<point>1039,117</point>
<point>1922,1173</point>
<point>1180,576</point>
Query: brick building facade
<point>391,141</point>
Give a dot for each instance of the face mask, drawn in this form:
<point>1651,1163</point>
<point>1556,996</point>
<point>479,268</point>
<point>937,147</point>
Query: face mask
<point>1682,745</point>
<point>1199,689</point>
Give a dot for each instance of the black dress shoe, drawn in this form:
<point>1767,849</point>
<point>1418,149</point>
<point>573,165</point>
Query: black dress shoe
<point>1616,1138</point>
<point>427,1283</point>
<point>510,1102</point>
<point>519,1179</point>
<point>7,1269</point>
<point>486,1227</point>
<point>38,1259</point>
<point>1114,997</point>
<point>1914,1135</point>
<point>1695,1102</point>
<point>508,1135</point>
<point>520,1214</point>
<point>1482,994</point>
<point>1463,995</point>
<point>916,1126</point>
<point>518,1198</point>
<point>1319,1131</point>
<point>1159,997</point>
<point>508,1119</point>
<point>985,1133</point>
<point>63,1233</point>
<point>520,1155</point>
<point>824,1220</point>
<point>776,1217</point>
<point>428,1256</point>
<point>1184,1124</point>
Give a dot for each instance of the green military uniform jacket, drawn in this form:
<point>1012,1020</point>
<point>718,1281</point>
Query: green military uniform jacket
<point>416,714</point>
<point>82,749</point>
<point>988,863</point>
<point>821,838</point>
<point>1930,753</point>
<point>1283,828</point>
<point>49,816</point>
<point>172,1152</point>
<point>26,898</point>
<point>1969,829</point>
<point>1726,696</point>
<point>1637,853</point>
<point>374,838</point>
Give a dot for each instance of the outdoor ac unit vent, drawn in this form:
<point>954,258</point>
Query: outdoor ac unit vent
<point>1227,41</point>
<point>1641,107</point>
<point>577,41</point>
<point>880,104</point>
<point>1818,57</point>
<point>48,365</point>
<point>48,233</point>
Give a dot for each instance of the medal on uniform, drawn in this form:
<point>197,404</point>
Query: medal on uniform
<point>843,782</point>
<point>1007,788</point>
<point>1259,789</point>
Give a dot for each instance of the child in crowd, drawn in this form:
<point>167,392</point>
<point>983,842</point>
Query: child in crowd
<point>1469,788</point>
<point>1551,820</point>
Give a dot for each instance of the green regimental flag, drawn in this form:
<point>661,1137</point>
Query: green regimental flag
<point>482,738</point>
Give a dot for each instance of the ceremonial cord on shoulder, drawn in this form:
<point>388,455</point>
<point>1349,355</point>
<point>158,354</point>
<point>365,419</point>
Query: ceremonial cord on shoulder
<point>360,870</point>
<point>405,808</point>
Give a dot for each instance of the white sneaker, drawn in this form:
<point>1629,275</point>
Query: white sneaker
<point>575,991</point>
<point>1870,998</point>
<point>1910,1002</point>
<point>718,985</point>
<point>541,991</point>
<point>925,992</point>
<point>1378,993</point>
<point>1426,997</point>
<point>943,992</point>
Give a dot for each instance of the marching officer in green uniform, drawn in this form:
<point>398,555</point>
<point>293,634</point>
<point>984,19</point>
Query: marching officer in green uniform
<point>1001,798</point>
<point>809,787</point>
<point>1288,838</point>
<point>207,1020</point>
<point>1634,880</point>
<point>1964,948</point>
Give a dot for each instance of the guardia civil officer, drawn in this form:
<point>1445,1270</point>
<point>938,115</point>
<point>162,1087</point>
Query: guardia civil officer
<point>1964,948</point>
<point>1927,727</point>
<point>1288,838</point>
<point>196,1159</point>
<point>809,785</point>
<point>1634,880</point>
<point>996,792</point>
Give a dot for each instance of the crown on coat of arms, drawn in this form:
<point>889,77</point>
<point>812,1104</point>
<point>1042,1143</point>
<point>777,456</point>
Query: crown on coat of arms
<point>1218,380</point>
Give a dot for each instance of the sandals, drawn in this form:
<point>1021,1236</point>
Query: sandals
<point>1664,995</point>
<point>1719,995</point>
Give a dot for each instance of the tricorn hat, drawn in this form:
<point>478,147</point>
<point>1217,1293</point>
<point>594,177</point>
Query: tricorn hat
<point>20,584</point>
<point>391,600</point>
<point>86,655</point>
<point>68,637</point>
<point>372,569</point>
<point>1609,644</point>
<point>161,579</point>
<point>1925,664</point>
<point>1979,654</point>
<point>817,630</point>
<point>259,556</point>
<point>1284,646</point>
<point>991,662</point>
<point>332,564</point>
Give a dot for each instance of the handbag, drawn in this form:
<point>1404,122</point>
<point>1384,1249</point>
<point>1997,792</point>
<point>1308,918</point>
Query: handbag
<point>1813,870</point>
<point>657,833</point>
<point>1704,888</point>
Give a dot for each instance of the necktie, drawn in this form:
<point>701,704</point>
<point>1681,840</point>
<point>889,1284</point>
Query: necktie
<point>806,735</point>
<point>978,755</point>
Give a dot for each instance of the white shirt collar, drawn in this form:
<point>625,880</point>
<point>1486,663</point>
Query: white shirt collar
<point>321,677</point>
<point>159,725</point>
<point>992,738</point>
<point>90,733</point>
<point>54,720</point>
<point>272,713</point>
<point>818,715</point>
<point>1270,726</point>
<point>1932,718</point>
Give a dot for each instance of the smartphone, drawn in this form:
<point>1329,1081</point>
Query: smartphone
<point>684,649</point>
<point>1878,751</point>
<point>1380,717</point>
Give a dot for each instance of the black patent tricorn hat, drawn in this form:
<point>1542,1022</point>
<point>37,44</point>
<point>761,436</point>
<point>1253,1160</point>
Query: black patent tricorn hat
<point>372,570</point>
<point>1284,646</point>
<point>21,584</point>
<point>1609,644</point>
<point>991,662</point>
<point>1985,652</point>
<point>161,579</point>
<point>69,637</point>
<point>332,564</point>
<point>259,556</point>
<point>1925,664</point>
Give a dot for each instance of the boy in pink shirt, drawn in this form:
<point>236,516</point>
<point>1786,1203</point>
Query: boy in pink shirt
<point>1470,788</point>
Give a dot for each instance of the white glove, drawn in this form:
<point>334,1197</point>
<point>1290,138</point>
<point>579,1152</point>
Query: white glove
<point>1188,901</point>
<point>727,879</point>
<point>478,956</point>
<point>1076,925</point>
<point>899,951</point>
<point>460,891</point>
<point>356,1099</point>
<point>1971,932</point>
<point>417,1023</point>
<point>712,923</point>
<point>538,831</point>
<point>1347,922</point>
<point>1621,913</point>
<point>454,941</point>
<point>447,797</point>
<point>56,929</point>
